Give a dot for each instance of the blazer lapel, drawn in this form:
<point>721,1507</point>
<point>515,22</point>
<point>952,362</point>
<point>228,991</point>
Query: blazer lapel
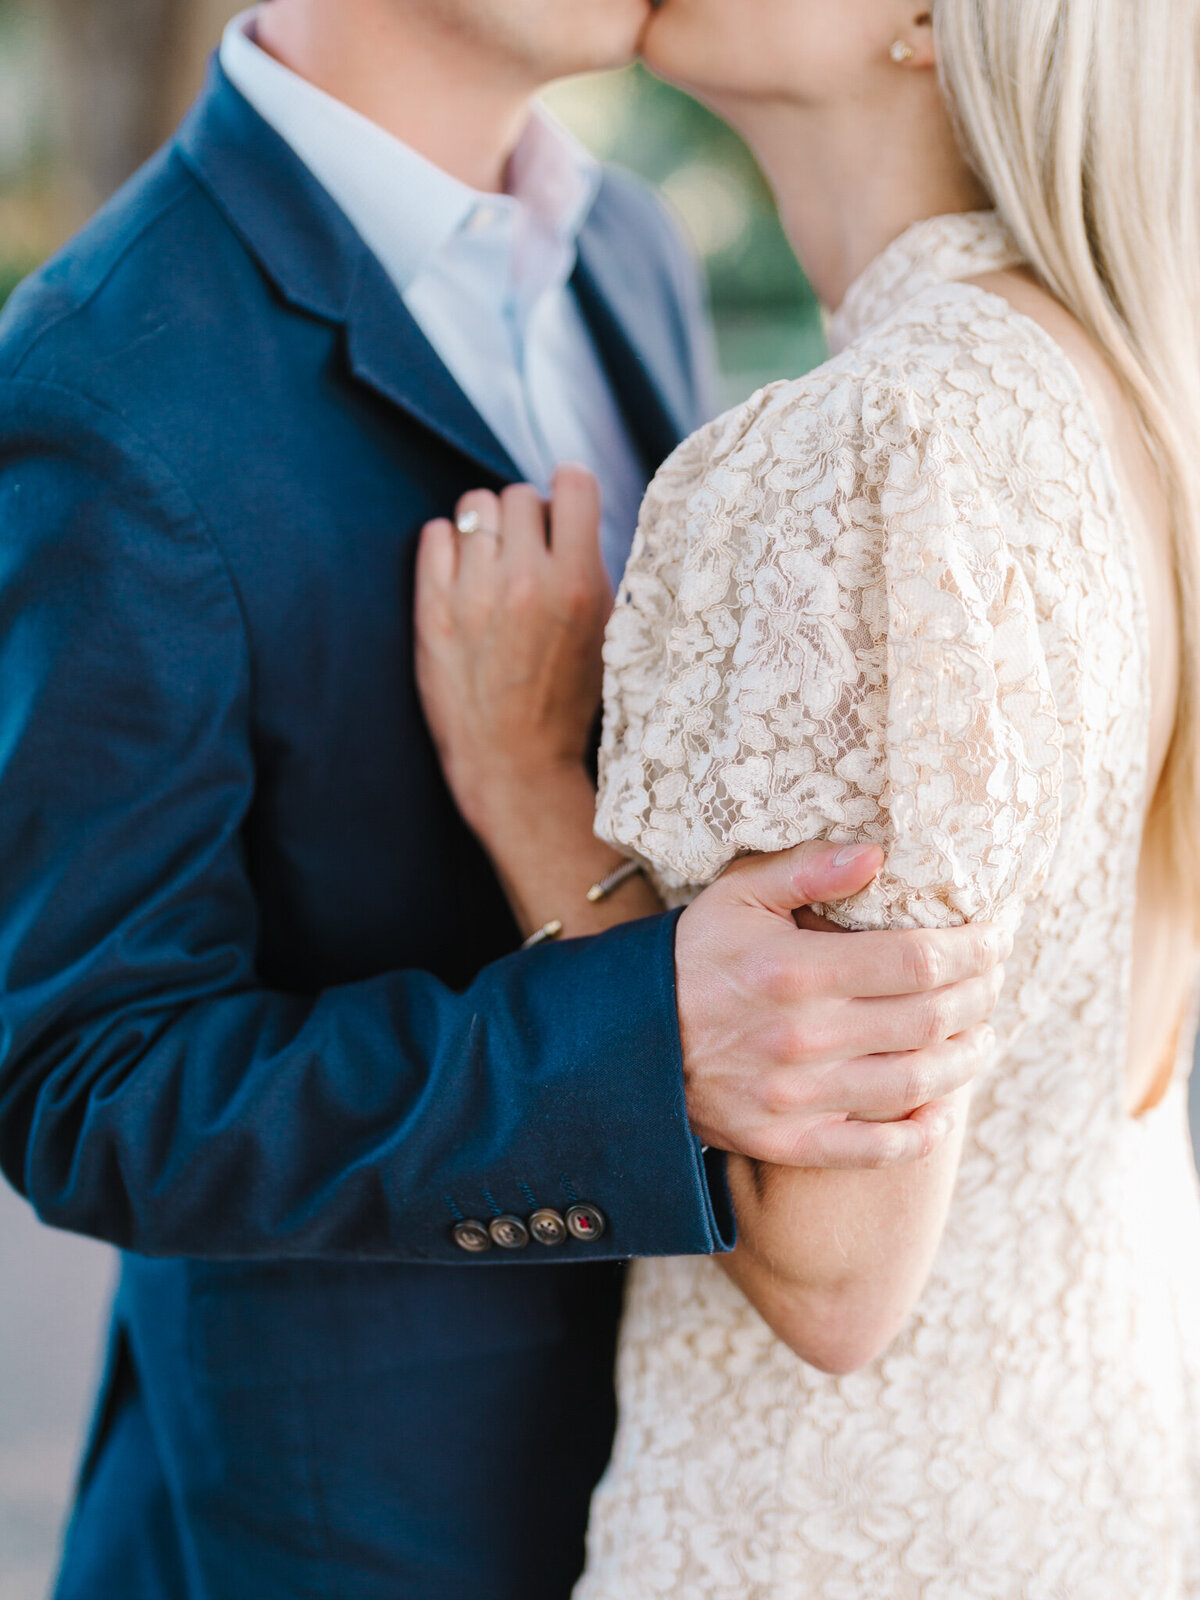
<point>387,350</point>
<point>319,264</point>
<point>632,321</point>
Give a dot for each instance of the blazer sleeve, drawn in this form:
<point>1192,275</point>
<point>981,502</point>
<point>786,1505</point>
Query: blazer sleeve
<point>152,1092</point>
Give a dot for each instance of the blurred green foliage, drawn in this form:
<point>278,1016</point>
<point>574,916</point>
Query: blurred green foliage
<point>11,274</point>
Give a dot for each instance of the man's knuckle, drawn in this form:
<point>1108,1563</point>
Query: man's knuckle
<point>799,1091</point>
<point>772,1093</point>
<point>763,975</point>
<point>790,1043</point>
<point>918,1082</point>
<point>780,981</point>
<point>926,966</point>
<point>938,1020</point>
<point>890,1146</point>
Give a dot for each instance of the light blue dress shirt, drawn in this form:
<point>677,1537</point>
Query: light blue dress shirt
<point>486,276</point>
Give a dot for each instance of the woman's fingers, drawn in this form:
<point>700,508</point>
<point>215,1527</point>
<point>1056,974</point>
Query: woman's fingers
<point>522,526</point>
<point>575,511</point>
<point>477,520</point>
<point>437,556</point>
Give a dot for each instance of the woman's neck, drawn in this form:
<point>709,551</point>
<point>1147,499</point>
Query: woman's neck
<point>851,178</point>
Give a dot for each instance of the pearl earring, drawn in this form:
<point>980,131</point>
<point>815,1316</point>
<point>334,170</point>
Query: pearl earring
<point>901,52</point>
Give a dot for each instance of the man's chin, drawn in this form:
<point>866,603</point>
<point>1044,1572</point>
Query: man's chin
<point>630,48</point>
<point>650,41</point>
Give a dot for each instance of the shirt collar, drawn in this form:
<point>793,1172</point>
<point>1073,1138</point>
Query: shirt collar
<point>938,250</point>
<point>407,209</point>
<point>553,176</point>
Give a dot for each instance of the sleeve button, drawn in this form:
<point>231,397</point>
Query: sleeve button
<point>586,1222</point>
<point>547,1227</point>
<point>473,1237</point>
<point>510,1233</point>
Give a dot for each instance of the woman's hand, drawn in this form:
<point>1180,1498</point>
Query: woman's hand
<point>510,621</point>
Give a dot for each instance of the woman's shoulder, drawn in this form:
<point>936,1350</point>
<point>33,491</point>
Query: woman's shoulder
<point>958,375</point>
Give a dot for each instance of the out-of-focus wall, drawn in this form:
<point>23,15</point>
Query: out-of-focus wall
<point>54,1293</point>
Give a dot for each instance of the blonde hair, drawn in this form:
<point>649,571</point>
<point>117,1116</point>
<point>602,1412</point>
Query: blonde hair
<point>1082,119</point>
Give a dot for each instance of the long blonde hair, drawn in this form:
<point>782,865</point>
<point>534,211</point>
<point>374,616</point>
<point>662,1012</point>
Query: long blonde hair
<point>1082,119</point>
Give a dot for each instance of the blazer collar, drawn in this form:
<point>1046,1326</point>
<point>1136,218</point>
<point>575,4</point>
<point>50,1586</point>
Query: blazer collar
<point>320,265</point>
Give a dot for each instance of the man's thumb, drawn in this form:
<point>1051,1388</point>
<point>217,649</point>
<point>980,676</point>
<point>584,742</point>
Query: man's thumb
<point>808,875</point>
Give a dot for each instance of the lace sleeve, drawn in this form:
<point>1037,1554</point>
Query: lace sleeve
<point>824,633</point>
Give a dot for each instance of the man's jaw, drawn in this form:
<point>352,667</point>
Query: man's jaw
<point>652,8</point>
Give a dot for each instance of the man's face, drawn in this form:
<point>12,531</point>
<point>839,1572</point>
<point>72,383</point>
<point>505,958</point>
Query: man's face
<point>544,39</point>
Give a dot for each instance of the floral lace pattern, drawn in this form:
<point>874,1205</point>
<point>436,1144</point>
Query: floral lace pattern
<point>896,600</point>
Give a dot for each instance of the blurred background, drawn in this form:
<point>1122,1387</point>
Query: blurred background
<point>88,88</point>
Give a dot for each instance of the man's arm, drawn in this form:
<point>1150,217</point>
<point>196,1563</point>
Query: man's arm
<point>152,1092</point>
<point>800,1047</point>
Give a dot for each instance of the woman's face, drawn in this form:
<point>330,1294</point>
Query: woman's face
<point>811,51</point>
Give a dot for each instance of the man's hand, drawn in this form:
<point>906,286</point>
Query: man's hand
<point>813,1049</point>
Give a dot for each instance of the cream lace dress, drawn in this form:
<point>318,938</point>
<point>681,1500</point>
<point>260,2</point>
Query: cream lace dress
<point>897,600</point>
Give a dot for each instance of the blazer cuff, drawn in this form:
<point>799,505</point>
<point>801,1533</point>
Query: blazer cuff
<point>605,1124</point>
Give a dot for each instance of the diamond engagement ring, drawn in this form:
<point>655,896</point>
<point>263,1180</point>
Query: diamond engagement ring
<point>472,522</point>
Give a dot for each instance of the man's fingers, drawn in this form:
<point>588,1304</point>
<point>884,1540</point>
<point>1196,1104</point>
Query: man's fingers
<point>886,1088</point>
<point>915,1022</point>
<point>876,1145</point>
<point>903,962</point>
<point>811,872</point>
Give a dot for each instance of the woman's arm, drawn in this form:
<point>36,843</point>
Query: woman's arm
<point>823,634</point>
<point>835,1261</point>
<point>510,623</point>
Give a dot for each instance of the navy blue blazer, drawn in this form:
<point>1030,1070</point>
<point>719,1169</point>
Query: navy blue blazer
<point>261,1022</point>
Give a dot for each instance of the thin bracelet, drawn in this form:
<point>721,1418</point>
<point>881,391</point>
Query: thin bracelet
<point>598,891</point>
<point>614,880</point>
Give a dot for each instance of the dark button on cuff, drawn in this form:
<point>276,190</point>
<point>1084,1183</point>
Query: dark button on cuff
<point>510,1233</point>
<point>473,1237</point>
<point>586,1222</point>
<point>548,1227</point>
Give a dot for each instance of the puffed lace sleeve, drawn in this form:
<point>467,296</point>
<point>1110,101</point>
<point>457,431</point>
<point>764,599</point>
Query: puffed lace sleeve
<point>825,632</point>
